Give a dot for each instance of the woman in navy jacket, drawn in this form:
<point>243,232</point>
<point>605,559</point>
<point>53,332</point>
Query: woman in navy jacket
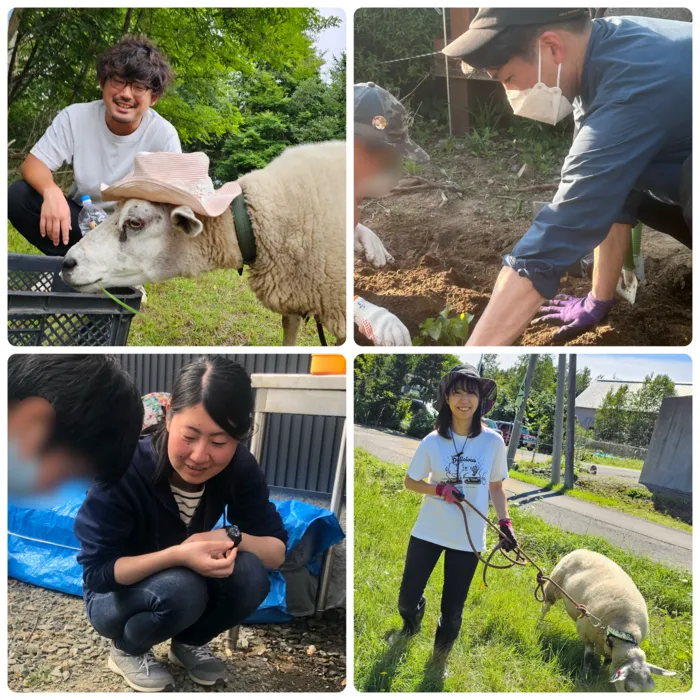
<point>152,568</point>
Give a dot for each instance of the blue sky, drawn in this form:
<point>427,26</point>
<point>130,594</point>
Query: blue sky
<point>625,367</point>
<point>332,41</point>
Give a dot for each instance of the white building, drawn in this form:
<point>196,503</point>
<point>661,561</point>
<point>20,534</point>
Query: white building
<point>590,400</point>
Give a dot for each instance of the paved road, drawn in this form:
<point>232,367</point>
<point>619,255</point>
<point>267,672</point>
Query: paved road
<point>603,469</point>
<point>660,543</point>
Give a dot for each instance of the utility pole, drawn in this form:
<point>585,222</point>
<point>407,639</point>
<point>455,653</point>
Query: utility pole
<point>570,424</point>
<point>517,423</point>
<point>559,420</point>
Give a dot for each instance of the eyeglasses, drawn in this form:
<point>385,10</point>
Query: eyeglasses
<point>118,83</point>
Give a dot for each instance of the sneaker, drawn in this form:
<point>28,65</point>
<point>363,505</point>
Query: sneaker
<point>199,662</point>
<point>142,672</point>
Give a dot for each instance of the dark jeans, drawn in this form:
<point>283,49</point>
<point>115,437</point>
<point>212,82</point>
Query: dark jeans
<point>674,219</point>
<point>178,604</point>
<point>24,211</point>
<point>421,559</point>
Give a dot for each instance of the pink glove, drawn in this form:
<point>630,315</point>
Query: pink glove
<point>448,493</point>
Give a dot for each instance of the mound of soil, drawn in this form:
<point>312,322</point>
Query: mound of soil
<point>449,252</point>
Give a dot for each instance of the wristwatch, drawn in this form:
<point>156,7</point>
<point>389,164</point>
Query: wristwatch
<point>234,534</point>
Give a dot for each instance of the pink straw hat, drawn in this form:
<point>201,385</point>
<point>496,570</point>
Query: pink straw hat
<point>174,178</point>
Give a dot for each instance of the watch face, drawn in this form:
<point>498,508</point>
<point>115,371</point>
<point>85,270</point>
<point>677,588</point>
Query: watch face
<point>234,534</point>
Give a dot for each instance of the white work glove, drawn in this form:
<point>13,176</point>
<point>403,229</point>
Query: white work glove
<point>379,325</point>
<point>367,243</point>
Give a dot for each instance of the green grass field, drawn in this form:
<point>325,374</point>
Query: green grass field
<point>622,462</point>
<point>500,648</point>
<point>216,309</point>
<point>634,499</point>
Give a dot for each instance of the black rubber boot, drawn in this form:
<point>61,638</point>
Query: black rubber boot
<point>412,620</point>
<point>445,638</point>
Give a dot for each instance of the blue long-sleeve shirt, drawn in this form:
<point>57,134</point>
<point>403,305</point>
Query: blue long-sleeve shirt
<point>138,516</point>
<point>634,130</point>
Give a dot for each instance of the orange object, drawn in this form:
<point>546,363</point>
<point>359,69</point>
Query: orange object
<point>327,364</point>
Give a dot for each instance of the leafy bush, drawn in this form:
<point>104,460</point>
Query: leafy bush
<point>444,329</point>
<point>422,423</point>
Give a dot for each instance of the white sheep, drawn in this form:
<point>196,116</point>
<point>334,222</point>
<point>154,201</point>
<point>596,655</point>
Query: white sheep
<point>296,206</point>
<point>609,593</point>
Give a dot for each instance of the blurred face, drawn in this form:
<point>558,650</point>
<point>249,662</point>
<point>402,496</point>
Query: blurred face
<point>463,401</point>
<point>32,466</point>
<point>198,448</point>
<point>126,103</point>
<point>377,170</point>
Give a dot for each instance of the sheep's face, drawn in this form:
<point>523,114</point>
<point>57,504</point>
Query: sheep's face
<point>635,676</point>
<point>140,242</point>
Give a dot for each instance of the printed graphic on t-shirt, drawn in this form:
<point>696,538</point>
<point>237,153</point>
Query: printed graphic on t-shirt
<point>464,469</point>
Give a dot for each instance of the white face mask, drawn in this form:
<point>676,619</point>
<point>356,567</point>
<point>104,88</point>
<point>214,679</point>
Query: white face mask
<point>542,103</point>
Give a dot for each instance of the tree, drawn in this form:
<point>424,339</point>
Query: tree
<point>218,55</point>
<point>612,417</point>
<point>583,380</point>
<point>428,372</point>
<point>644,406</point>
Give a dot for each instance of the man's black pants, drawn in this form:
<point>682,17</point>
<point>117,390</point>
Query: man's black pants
<point>24,212</point>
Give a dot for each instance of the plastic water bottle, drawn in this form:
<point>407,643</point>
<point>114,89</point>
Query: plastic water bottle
<point>90,216</point>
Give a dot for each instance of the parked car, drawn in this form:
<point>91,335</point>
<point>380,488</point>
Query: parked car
<point>527,440</point>
<point>493,425</point>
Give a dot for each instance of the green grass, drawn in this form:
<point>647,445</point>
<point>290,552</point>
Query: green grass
<point>622,462</point>
<point>501,648</point>
<point>615,493</point>
<point>216,309</point>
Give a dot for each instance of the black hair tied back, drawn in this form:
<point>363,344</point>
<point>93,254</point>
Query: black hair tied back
<point>223,388</point>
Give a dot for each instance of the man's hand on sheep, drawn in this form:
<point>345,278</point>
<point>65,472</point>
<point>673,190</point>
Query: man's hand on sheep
<point>367,243</point>
<point>379,325</point>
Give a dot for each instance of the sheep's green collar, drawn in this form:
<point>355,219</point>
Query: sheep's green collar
<point>244,231</point>
<point>624,636</point>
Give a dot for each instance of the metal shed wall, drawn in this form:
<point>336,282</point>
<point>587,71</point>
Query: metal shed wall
<point>299,452</point>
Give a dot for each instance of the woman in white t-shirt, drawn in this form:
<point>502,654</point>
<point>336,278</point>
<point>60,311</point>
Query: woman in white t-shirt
<point>461,455</point>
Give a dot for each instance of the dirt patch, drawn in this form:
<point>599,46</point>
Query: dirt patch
<point>53,648</point>
<point>448,251</point>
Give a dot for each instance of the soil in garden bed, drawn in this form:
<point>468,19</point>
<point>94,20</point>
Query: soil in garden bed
<point>448,251</point>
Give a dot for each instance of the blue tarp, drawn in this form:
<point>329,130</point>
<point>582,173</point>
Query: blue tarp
<point>42,548</point>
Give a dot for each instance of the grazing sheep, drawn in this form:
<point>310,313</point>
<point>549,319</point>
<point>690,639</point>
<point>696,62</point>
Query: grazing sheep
<point>609,593</point>
<point>296,206</point>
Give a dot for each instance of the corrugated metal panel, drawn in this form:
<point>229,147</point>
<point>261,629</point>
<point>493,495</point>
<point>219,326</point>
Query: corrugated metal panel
<point>299,452</point>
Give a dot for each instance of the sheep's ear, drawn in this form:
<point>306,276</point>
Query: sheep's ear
<point>185,220</point>
<point>620,674</point>
<point>660,671</point>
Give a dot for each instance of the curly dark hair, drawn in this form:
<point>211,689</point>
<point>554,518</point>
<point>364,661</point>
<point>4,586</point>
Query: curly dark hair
<point>136,58</point>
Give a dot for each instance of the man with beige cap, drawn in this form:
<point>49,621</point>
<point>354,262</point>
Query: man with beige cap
<point>98,139</point>
<point>628,83</point>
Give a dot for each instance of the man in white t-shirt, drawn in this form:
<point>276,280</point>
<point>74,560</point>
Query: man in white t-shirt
<point>99,139</point>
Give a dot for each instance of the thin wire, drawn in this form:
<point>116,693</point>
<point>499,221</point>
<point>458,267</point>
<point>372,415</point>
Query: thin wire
<point>410,58</point>
<point>425,77</point>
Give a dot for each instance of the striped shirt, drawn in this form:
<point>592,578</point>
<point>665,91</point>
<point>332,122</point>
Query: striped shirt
<point>187,502</point>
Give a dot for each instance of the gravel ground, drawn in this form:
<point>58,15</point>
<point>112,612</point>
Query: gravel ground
<point>53,648</point>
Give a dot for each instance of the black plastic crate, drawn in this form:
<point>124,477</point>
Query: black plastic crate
<point>43,310</point>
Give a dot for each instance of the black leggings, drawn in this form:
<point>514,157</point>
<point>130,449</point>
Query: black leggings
<point>24,211</point>
<point>460,566</point>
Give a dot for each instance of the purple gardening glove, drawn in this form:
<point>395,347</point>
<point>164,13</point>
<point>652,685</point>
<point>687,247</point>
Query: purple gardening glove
<point>448,493</point>
<point>573,314</point>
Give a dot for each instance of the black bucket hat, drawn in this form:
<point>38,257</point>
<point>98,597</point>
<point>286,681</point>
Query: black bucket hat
<point>382,119</point>
<point>487,387</point>
<point>489,22</point>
